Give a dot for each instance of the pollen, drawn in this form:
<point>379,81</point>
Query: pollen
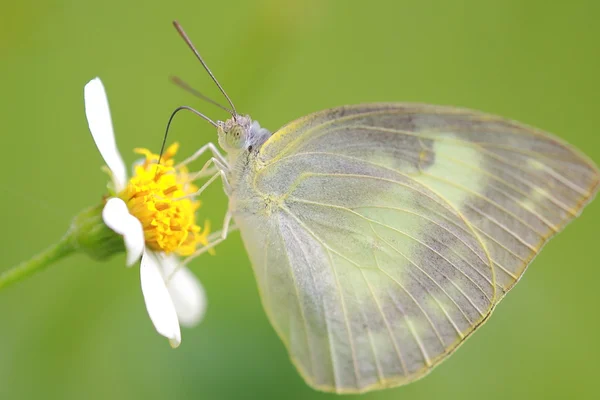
<point>160,196</point>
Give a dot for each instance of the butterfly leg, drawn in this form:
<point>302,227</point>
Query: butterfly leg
<point>214,239</point>
<point>205,171</point>
<point>207,147</point>
<point>219,173</point>
<point>219,170</point>
<point>226,223</point>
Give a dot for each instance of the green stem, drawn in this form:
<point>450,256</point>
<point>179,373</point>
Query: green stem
<point>52,254</point>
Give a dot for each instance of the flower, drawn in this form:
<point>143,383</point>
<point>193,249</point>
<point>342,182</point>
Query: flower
<point>154,211</point>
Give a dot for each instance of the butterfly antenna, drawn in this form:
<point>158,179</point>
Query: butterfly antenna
<point>199,57</point>
<point>198,113</point>
<point>182,84</point>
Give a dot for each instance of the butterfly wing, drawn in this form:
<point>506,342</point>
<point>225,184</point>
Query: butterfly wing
<point>383,235</point>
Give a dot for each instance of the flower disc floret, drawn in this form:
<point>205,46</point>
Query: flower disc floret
<point>159,195</point>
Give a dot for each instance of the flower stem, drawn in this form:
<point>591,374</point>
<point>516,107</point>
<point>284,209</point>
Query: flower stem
<point>37,263</point>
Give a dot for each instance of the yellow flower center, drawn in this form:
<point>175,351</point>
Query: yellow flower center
<point>156,195</point>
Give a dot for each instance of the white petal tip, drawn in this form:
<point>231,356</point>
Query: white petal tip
<point>93,82</point>
<point>100,124</point>
<point>133,256</point>
<point>158,300</point>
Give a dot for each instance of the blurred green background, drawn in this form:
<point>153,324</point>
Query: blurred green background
<point>80,329</point>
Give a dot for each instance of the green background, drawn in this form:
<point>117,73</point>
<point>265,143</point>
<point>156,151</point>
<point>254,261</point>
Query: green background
<point>80,331</point>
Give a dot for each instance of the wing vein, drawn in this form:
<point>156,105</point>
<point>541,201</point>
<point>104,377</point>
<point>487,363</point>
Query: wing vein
<point>387,324</point>
<point>452,233</point>
<point>416,241</point>
<point>532,154</point>
<point>490,201</point>
<point>346,320</point>
<point>427,290</point>
<point>339,289</point>
<point>516,189</point>
<point>298,299</point>
<point>423,286</point>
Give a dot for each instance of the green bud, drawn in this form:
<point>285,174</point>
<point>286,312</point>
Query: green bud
<point>89,234</point>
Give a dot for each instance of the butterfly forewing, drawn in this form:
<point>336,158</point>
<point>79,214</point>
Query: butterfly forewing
<point>516,185</point>
<point>383,235</point>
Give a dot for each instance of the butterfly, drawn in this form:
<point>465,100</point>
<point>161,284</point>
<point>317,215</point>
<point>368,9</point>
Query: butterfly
<point>383,235</point>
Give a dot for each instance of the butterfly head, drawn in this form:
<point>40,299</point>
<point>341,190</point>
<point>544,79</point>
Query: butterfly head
<point>241,133</point>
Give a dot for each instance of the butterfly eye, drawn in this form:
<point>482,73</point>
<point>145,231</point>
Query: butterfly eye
<point>235,137</point>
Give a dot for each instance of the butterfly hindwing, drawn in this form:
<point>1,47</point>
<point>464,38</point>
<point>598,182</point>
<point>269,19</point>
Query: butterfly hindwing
<point>383,235</point>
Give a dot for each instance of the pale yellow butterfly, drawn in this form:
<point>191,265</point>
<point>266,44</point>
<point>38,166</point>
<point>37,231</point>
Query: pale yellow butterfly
<point>383,235</point>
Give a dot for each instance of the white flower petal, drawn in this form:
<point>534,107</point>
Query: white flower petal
<point>100,123</point>
<point>116,216</point>
<point>186,291</point>
<point>158,300</point>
